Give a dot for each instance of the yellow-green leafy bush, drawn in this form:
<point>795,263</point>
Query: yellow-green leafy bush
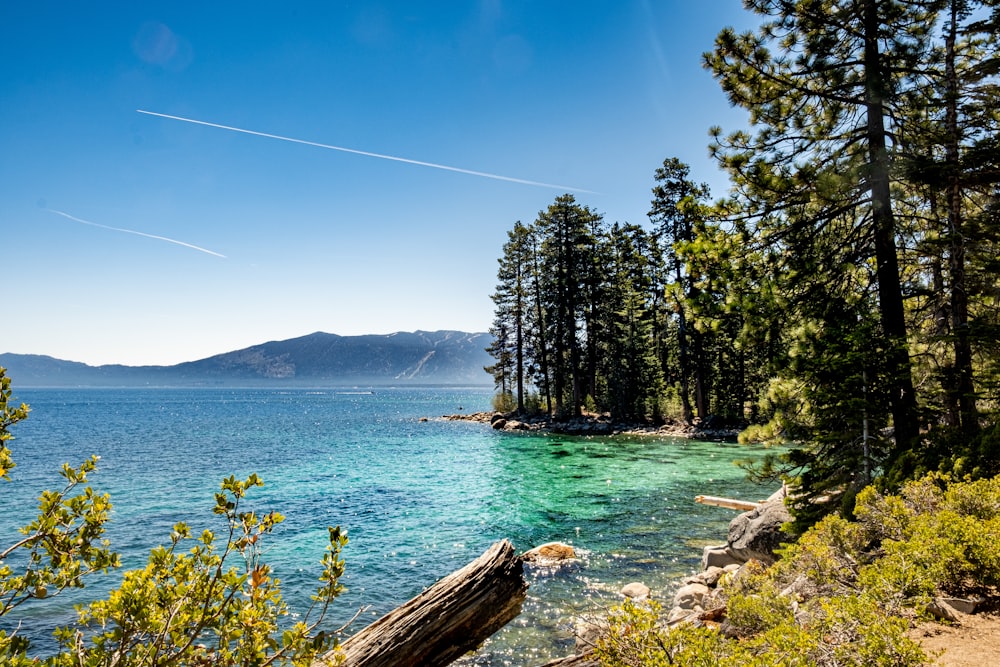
<point>844,593</point>
<point>209,600</point>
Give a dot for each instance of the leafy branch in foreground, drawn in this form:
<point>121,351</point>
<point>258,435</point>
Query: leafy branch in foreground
<point>202,600</point>
<point>193,607</point>
<point>61,546</point>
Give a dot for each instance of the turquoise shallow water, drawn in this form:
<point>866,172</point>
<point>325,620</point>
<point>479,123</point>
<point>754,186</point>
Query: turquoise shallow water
<point>419,498</point>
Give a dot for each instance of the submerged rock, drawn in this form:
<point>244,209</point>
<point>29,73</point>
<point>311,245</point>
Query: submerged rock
<point>552,552</point>
<point>586,633</point>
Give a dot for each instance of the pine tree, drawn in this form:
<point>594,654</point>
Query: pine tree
<point>630,368</point>
<point>675,208</point>
<point>821,79</point>
<point>949,122</point>
<point>511,319</point>
<point>565,229</point>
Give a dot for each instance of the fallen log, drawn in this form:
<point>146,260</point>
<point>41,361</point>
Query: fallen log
<point>447,620</point>
<point>729,503</point>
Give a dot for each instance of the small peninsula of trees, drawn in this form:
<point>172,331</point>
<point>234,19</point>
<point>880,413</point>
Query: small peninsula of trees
<point>842,299</point>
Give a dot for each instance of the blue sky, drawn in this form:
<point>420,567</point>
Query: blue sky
<point>276,239</point>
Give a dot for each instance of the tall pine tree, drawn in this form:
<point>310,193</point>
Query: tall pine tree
<point>821,79</point>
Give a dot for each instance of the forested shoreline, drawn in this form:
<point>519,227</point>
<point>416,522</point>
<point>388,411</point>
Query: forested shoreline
<point>842,297</point>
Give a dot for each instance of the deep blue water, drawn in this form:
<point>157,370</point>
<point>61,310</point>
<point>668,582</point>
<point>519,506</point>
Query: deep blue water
<point>419,498</point>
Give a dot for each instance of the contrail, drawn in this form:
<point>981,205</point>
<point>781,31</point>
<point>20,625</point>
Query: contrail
<point>370,154</point>
<point>132,231</point>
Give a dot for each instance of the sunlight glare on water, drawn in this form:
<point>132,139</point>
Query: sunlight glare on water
<point>419,497</point>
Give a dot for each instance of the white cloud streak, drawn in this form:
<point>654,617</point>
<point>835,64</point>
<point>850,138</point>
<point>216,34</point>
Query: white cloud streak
<point>132,231</point>
<point>394,158</point>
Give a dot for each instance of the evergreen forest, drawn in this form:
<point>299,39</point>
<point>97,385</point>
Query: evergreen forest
<point>841,300</point>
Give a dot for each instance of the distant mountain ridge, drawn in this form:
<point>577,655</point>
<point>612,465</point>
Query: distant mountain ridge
<point>420,357</point>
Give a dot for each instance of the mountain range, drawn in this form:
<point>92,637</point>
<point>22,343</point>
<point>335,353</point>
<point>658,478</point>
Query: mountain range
<point>403,358</point>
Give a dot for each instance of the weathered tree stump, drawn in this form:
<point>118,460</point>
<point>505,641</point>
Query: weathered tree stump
<point>444,622</point>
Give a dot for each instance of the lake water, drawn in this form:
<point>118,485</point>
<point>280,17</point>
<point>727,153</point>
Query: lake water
<point>418,498</point>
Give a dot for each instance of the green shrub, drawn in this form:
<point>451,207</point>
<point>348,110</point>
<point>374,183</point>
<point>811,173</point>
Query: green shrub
<point>504,402</point>
<point>861,581</point>
<point>829,555</point>
<point>636,637</point>
<point>843,631</point>
<point>759,612</point>
<point>936,535</point>
<point>858,632</point>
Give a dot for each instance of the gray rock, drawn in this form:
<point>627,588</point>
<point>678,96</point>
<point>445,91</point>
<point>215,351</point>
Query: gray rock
<point>728,630</point>
<point>635,590</point>
<point>691,596</point>
<point>963,605</point>
<point>757,533</point>
<point>678,615</point>
<point>780,494</point>
<point>800,589</point>
<point>737,580</point>
<point>941,610</point>
<point>587,633</point>
<point>718,557</point>
<point>711,575</point>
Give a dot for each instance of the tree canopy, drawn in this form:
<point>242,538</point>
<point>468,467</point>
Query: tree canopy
<point>843,299</point>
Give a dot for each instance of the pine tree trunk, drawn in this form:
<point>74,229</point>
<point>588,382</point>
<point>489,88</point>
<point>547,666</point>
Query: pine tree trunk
<point>963,387</point>
<point>903,400</point>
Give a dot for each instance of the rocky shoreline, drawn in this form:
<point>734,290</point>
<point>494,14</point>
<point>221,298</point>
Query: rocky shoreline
<point>753,536</point>
<point>602,425</point>
<point>752,540</point>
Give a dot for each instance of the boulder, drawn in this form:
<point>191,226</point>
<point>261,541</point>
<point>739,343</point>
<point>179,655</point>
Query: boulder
<point>678,615</point>
<point>551,552</point>
<point>635,591</point>
<point>757,533</point>
<point>718,557</point>
<point>498,424</point>
<point>711,576</point>
<point>728,630</point>
<point>963,605</point>
<point>691,596</point>
<point>800,589</point>
<point>942,611</point>
<point>751,568</point>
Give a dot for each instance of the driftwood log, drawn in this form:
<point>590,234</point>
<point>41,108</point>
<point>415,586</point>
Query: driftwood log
<point>728,503</point>
<point>446,621</point>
